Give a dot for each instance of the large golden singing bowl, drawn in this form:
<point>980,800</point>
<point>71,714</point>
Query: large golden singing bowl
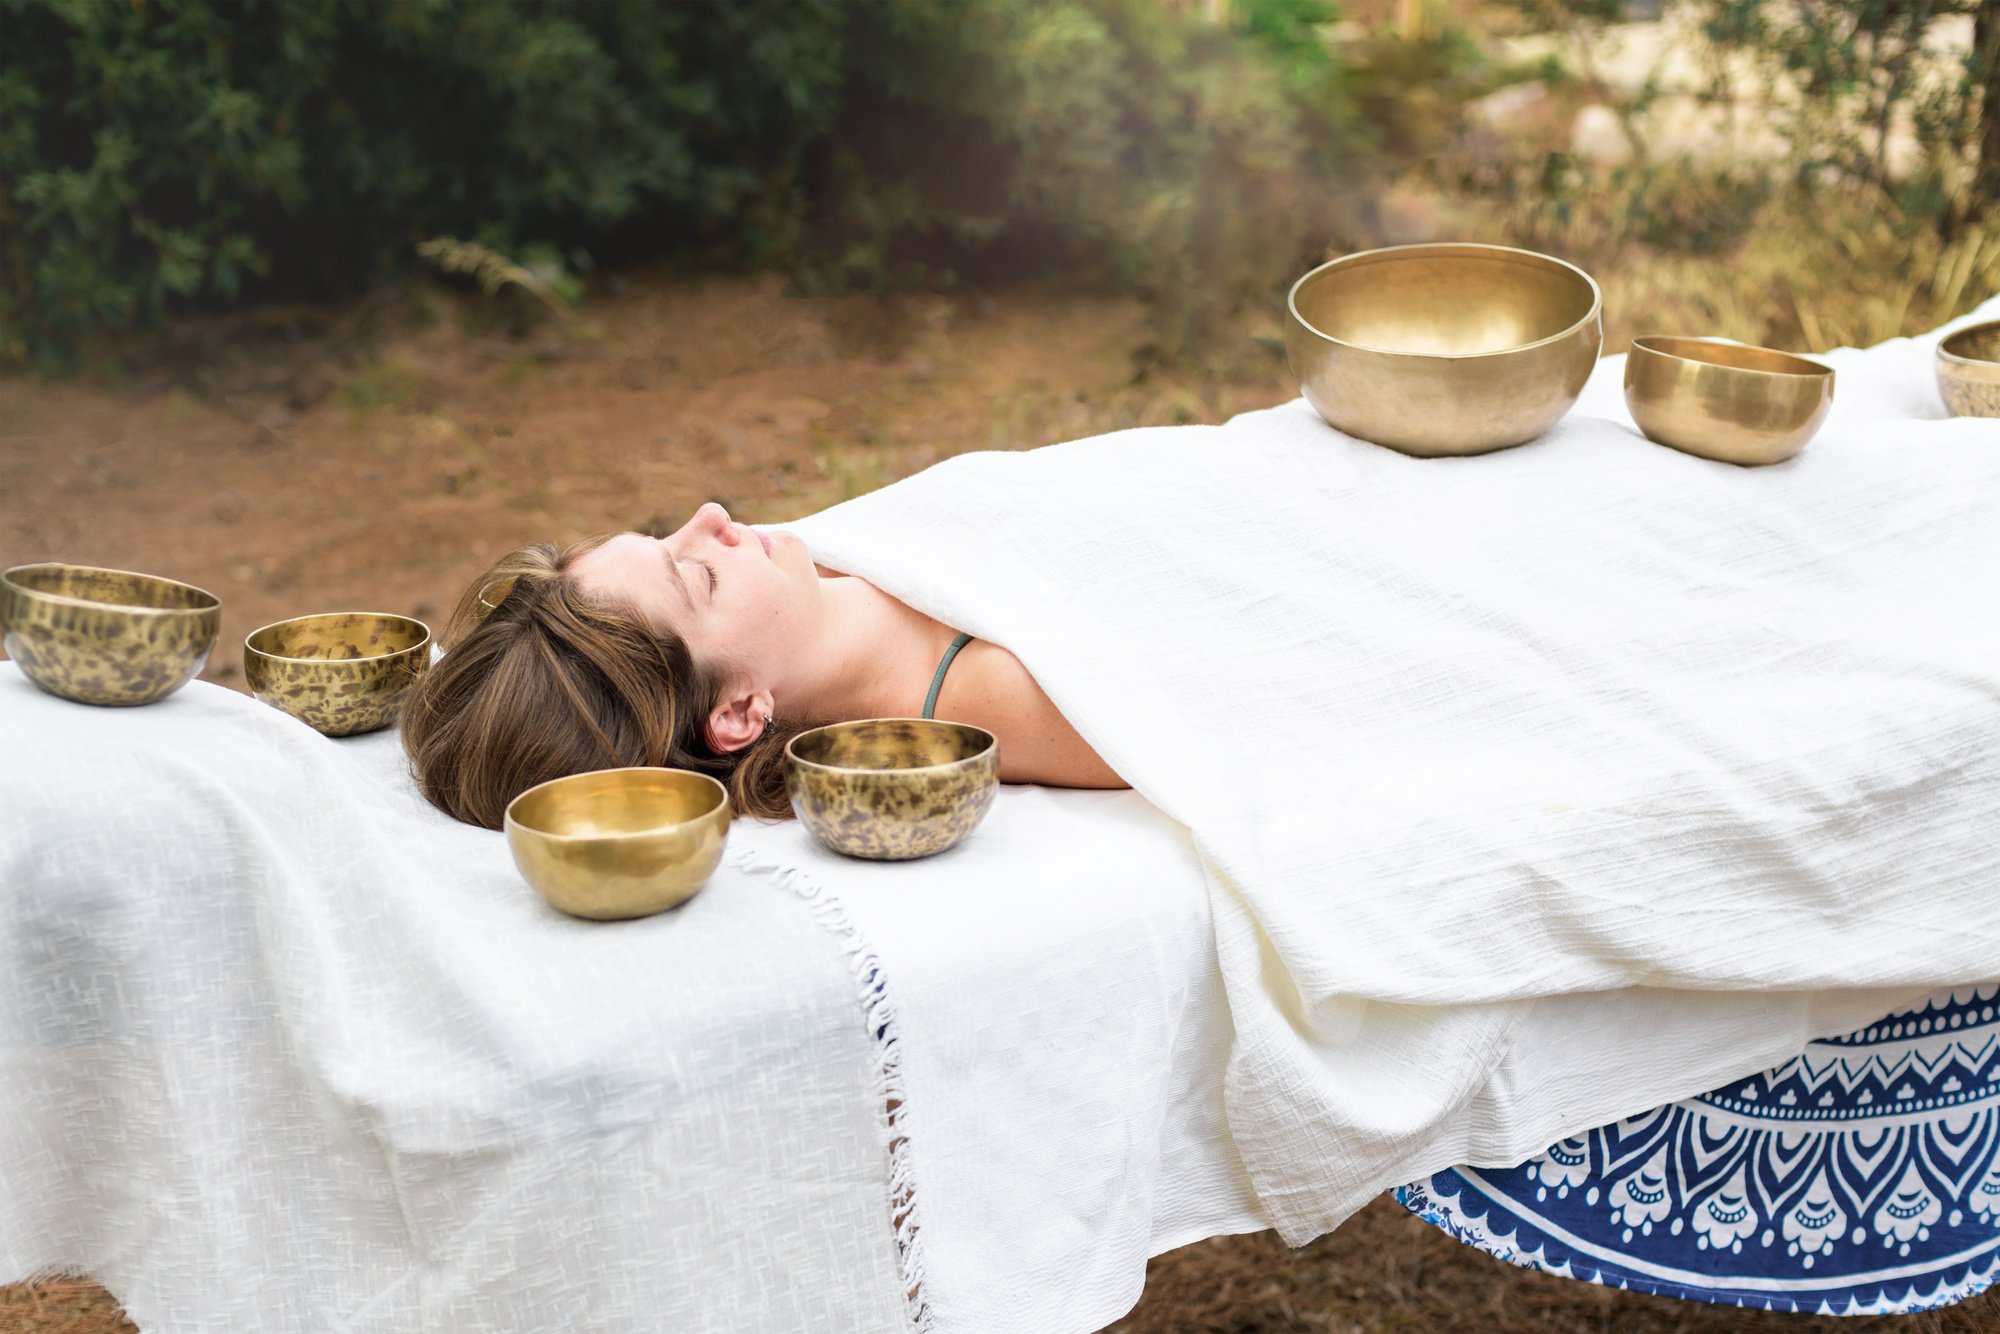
<point>619,843</point>
<point>1968,371</point>
<point>1726,401</point>
<point>340,673</point>
<point>106,636</point>
<point>1444,349</point>
<point>891,789</point>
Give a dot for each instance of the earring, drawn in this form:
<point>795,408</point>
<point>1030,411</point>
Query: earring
<point>769,723</point>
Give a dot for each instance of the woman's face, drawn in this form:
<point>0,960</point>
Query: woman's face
<point>737,597</point>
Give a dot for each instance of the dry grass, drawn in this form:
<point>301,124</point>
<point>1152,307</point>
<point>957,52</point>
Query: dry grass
<point>1720,236</point>
<point>1383,1272</point>
<point>1845,276</point>
<point>61,1306</point>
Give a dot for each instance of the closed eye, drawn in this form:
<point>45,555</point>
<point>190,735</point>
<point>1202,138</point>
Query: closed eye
<point>711,577</point>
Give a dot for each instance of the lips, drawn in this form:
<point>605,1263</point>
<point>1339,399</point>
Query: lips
<point>766,541</point>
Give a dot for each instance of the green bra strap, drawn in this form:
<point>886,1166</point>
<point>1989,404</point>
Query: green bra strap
<point>937,682</point>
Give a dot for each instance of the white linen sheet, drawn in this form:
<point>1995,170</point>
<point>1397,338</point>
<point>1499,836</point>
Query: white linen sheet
<point>284,1049</point>
<point>1065,1035</point>
<point>1460,738</point>
<point>193,923</point>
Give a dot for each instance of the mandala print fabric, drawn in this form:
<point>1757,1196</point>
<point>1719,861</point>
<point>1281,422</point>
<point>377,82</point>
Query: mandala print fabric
<point>1860,1178</point>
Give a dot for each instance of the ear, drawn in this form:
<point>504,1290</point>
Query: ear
<point>737,719</point>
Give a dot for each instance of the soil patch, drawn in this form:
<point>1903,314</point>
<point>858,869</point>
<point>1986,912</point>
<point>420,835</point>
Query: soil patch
<point>377,459</point>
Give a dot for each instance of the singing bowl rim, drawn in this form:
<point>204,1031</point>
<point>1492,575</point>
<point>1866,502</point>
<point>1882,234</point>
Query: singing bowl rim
<point>1651,345</point>
<point>510,820</point>
<point>1388,254</point>
<point>1959,361</point>
<point>372,658</point>
<point>918,770</point>
<point>214,603</point>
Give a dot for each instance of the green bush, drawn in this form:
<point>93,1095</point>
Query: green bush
<point>1195,163</point>
<point>157,154</point>
<point>154,150</point>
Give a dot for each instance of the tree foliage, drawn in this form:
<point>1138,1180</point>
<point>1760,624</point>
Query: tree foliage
<point>159,153</point>
<point>1860,64</point>
<point>154,150</point>
<point>1193,162</point>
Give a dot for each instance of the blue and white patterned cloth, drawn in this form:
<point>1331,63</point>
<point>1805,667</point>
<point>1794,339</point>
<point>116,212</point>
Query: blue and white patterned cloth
<point>1862,1177</point>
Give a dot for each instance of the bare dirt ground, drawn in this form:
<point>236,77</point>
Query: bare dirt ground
<point>376,457</point>
<point>1382,1271</point>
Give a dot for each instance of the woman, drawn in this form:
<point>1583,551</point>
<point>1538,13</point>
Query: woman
<point>707,649</point>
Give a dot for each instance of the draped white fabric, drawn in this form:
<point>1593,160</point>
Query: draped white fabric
<point>1065,1036</point>
<point>283,1049</point>
<point>1457,737</point>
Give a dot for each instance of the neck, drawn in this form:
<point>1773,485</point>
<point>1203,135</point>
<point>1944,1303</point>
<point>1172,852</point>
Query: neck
<point>875,657</point>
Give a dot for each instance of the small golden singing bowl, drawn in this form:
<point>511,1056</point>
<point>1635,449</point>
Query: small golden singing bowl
<point>1730,402</point>
<point>1968,371</point>
<point>1444,349</point>
<point>340,673</point>
<point>619,843</point>
<point>106,636</point>
<point>890,789</point>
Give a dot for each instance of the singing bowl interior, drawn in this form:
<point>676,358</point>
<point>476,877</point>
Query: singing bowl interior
<point>619,843</point>
<point>1730,402</point>
<point>109,637</point>
<point>1968,371</point>
<point>1444,300</point>
<point>1444,349</point>
<point>341,673</point>
<point>891,789</point>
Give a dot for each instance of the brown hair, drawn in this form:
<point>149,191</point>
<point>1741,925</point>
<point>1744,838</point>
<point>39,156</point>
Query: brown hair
<point>551,684</point>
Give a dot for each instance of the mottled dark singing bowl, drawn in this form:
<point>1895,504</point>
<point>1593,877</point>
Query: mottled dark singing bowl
<point>892,789</point>
<point>340,673</point>
<point>109,637</point>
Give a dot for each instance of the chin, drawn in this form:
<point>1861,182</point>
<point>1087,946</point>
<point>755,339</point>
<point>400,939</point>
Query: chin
<point>784,544</point>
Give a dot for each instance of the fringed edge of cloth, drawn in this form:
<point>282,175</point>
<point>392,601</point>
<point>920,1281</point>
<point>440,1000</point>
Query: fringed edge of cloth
<point>872,985</point>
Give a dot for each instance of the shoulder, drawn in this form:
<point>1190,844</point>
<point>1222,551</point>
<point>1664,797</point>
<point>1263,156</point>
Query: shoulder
<point>988,687</point>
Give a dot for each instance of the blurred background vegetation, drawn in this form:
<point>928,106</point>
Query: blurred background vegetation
<point>1803,172</point>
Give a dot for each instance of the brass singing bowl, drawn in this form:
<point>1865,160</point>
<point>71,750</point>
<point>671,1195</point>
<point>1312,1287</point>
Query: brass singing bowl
<point>619,843</point>
<point>1726,401</point>
<point>891,789</point>
<point>340,673</point>
<point>1444,349</point>
<point>1968,371</point>
<point>111,637</point>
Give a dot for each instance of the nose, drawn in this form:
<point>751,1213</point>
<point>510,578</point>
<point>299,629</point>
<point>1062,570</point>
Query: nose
<point>710,521</point>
